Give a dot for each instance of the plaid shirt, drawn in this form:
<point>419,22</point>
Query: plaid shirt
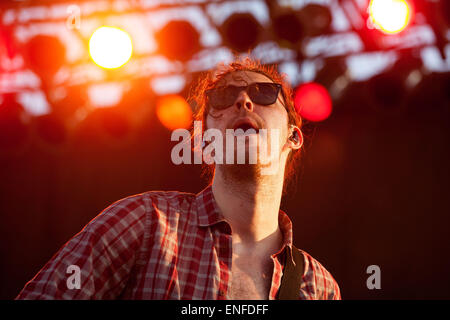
<point>162,245</point>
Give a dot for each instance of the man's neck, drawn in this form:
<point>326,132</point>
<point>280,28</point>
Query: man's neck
<point>251,208</point>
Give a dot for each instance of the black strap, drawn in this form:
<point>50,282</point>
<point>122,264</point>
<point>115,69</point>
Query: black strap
<point>292,275</point>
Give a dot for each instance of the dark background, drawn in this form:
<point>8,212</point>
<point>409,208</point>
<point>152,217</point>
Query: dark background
<point>373,190</point>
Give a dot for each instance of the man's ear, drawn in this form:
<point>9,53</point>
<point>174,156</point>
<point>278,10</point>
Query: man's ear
<point>296,138</point>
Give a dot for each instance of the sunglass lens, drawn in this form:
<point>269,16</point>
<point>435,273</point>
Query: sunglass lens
<point>222,98</point>
<point>260,93</point>
<point>264,93</point>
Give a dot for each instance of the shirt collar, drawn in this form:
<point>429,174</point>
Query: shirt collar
<point>208,214</point>
<point>286,230</point>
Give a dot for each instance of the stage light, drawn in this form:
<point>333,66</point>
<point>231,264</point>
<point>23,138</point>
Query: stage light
<point>390,16</point>
<point>288,28</point>
<point>316,19</point>
<point>241,32</point>
<point>106,94</point>
<point>174,112</point>
<point>178,40</point>
<point>292,26</point>
<point>45,55</point>
<point>312,101</point>
<point>110,47</point>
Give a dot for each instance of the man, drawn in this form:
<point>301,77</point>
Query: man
<point>230,241</point>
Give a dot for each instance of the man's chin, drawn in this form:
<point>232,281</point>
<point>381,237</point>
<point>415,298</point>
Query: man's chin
<point>241,172</point>
<point>248,171</point>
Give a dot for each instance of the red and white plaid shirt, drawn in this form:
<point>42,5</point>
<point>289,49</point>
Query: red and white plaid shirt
<point>162,245</point>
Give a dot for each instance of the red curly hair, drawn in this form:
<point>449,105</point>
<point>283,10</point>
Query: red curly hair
<point>198,99</point>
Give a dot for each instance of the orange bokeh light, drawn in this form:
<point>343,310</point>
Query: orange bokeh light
<point>174,112</point>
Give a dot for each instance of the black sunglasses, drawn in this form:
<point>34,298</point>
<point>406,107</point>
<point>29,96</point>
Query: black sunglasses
<point>262,93</point>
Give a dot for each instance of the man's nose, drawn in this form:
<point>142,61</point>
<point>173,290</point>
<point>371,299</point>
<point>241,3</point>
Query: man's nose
<point>243,100</point>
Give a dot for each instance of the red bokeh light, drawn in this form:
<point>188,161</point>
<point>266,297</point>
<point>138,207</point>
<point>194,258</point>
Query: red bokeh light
<point>313,102</point>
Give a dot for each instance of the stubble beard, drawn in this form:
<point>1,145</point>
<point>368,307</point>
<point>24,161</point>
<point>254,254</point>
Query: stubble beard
<point>244,173</point>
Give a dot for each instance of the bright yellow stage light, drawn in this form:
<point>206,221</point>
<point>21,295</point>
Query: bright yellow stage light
<point>110,47</point>
<point>391,16</point>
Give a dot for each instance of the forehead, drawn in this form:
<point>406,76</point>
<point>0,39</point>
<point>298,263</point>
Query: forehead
<point>240,78</point>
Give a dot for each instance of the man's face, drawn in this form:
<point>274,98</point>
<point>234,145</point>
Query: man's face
<point>272,117</point>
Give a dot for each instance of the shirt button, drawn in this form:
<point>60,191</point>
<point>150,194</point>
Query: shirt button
<point>221,293</point>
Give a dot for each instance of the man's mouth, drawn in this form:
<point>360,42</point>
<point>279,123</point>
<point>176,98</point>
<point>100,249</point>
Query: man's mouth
<point>245,124</point>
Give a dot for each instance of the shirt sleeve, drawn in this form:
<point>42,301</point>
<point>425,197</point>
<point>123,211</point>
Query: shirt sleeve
<point>96,263</point>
